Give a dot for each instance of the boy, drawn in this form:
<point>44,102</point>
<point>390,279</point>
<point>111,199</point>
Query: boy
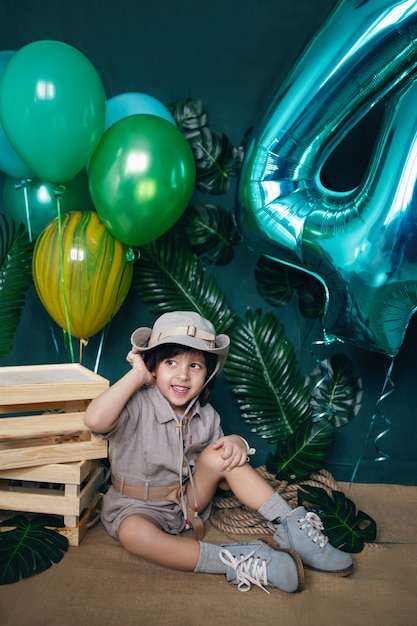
<point>169,455</point>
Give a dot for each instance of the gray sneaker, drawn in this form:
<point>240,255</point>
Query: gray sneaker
<point>302,532</point>
<point>262,563</point>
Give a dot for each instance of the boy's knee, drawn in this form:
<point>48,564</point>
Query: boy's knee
<point>210,458</point>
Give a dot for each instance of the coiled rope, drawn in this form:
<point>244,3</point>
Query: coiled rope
<point>231,516</point>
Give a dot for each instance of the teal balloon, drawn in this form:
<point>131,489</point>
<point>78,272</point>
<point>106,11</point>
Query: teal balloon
<point>33,202</point>
<point>133,103</point>
<point>52,108</point>
<point>142,177</point>
<point>10,163</point>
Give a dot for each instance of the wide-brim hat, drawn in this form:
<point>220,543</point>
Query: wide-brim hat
<point>184,328</point>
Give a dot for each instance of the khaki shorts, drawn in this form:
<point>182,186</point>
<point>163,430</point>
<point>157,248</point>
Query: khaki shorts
<point>116,506</point>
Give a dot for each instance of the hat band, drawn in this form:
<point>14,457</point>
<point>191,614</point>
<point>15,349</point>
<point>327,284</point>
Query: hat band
<point>189,331</point>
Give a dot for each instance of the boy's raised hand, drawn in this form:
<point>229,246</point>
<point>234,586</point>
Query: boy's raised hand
<point>234,452</point>
<point>136,361</point>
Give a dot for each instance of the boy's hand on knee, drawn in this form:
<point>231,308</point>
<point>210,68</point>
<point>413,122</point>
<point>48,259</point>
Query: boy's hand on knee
<point>234,452</point>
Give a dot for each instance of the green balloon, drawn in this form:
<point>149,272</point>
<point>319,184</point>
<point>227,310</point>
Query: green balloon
<point>142,177</point>
<point>52,108</point>
<point>33,202</point>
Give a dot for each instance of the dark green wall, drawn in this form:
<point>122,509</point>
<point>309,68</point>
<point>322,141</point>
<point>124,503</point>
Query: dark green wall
<point>232,55</point>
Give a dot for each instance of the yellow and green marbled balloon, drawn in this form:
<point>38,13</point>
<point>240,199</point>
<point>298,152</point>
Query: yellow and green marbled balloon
<point>82,274</point>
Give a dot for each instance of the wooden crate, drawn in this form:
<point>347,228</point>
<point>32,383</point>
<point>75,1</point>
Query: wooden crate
<point>70,491</point>
<point>45,406</point>
<point>45,443</point>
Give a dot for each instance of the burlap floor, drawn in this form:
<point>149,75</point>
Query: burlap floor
<point>99,583</point>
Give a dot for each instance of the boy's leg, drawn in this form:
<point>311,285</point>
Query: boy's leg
<point>243,564</point>
<point>246,483</point>
<point>296,530</point>
<point>144,537</point>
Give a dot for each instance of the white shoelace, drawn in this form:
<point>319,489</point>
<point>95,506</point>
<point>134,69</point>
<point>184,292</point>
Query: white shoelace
<point>315,527</point>
<point>249,570</point>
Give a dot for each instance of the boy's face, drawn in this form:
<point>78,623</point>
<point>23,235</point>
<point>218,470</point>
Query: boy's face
<point>181,378</point>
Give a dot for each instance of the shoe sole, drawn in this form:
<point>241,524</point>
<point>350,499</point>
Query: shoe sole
<point>340,573</point>
<point>297,561</point>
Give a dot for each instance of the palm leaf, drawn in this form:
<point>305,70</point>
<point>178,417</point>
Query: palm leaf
<point>263,374</point>
<point>303,452</point>
<point>169,276</point>
<point>346,528</point>
<point>15,277</point>
<point>211,232</point>
<point>29,547</point>
<point>337,391</point>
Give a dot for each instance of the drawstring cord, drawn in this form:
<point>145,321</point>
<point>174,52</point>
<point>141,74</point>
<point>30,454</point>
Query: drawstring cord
<point>183,462</point>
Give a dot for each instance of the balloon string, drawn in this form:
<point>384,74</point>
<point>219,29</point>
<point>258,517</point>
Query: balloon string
<point>25,195</point>
<point>23,185</point>
<point>58,192</point>
<point>54,340</point>
<point>384,394</point>
<point>99,351</point>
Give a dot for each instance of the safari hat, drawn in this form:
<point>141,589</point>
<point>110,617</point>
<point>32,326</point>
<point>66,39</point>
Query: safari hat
<point>184,328</point>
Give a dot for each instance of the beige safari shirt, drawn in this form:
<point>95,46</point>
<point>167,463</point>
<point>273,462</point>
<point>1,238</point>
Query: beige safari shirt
<point>144,449</point>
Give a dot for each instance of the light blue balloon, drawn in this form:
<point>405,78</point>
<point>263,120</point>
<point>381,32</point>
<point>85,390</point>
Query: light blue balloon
<point>132,103</point>
<point>360,244</point>
<point>10,162</point>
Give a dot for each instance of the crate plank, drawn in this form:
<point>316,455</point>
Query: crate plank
<point>69,473</point>
<point>56,453</point>
<point>13,428</point>
<point>35,500</point>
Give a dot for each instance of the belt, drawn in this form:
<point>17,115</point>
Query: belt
<point>172,493</point>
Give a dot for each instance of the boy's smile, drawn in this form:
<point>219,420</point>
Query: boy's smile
<point>181,378</point>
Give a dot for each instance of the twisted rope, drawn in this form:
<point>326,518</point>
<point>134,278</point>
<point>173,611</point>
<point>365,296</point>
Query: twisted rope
<point>231,516</point>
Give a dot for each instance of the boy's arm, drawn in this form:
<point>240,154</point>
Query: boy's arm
<point>103,412</point>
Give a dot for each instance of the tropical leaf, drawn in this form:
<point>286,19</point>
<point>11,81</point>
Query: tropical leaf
<point>29,547</point>
<point>263,374</point>
<point>311,297</point>
<point>211,232</point>
<point>170,277</point>
<point>217,160</point>
<point>346,528</point>
<point>189,115</point>
<point>15,277</point>
<point>303,452</point>
<point>337,390</point>
<point>278,282</point>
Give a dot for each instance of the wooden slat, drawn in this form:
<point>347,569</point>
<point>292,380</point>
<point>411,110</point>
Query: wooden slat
<point>13,428</point>
<point>55,453</point>
<point>55,503</point>
<point>67,473</point>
